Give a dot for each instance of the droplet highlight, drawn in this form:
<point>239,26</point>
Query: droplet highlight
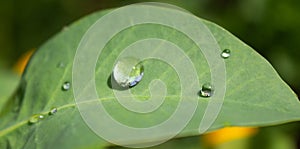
<point>128,72</point>
<point>35,118</point>
<point>66,86</point>
<point>52,111</point>
<point>226,53</point>
<point>206,90</point>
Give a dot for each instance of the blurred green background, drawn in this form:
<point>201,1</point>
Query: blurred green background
<point>271,27</point>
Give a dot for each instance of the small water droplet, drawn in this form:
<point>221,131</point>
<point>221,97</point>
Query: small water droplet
<point>206,90</point>
<point>226,54</point>
<point>35,118</point>
<point>128,72</point>
<point>52,111</point>
<point>60,65</point>
<point>66,86</point>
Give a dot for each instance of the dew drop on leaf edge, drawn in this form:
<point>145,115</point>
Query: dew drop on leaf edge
<point>35,118</point>
<point>206,90</point>
<point>128,72</point>
<point>66,86</point>
<point>226,53</point>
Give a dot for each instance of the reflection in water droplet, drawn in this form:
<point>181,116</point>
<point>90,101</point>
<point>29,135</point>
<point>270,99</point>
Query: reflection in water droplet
<point>66,86</point>
<point>225,54</point>
<point>128,72</point>
<point>35,118</point>
<point>206,90</point>
<point>52,111</point>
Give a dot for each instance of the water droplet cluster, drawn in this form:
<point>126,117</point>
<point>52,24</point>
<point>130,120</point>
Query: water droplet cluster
<point>38,117</point>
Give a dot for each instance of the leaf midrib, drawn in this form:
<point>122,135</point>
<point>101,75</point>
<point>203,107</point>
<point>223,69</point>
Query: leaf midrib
<point>21,123</point>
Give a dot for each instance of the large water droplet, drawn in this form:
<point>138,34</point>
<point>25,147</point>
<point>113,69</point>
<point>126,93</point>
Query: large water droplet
<point>52,111</point>
<point>206,90</point>
<point>128,72</point>
<point>66,86</point>
<point>35,118</point>
<point>226,54</point>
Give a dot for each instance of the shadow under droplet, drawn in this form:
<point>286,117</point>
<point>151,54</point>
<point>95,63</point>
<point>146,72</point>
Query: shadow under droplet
<point>112,83</point>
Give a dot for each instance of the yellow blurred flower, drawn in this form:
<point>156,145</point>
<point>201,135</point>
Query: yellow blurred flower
<point>228,134</point>
<point>22,62</point>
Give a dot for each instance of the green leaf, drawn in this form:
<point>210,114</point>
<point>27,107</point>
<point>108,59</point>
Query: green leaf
<point>255,94</point>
